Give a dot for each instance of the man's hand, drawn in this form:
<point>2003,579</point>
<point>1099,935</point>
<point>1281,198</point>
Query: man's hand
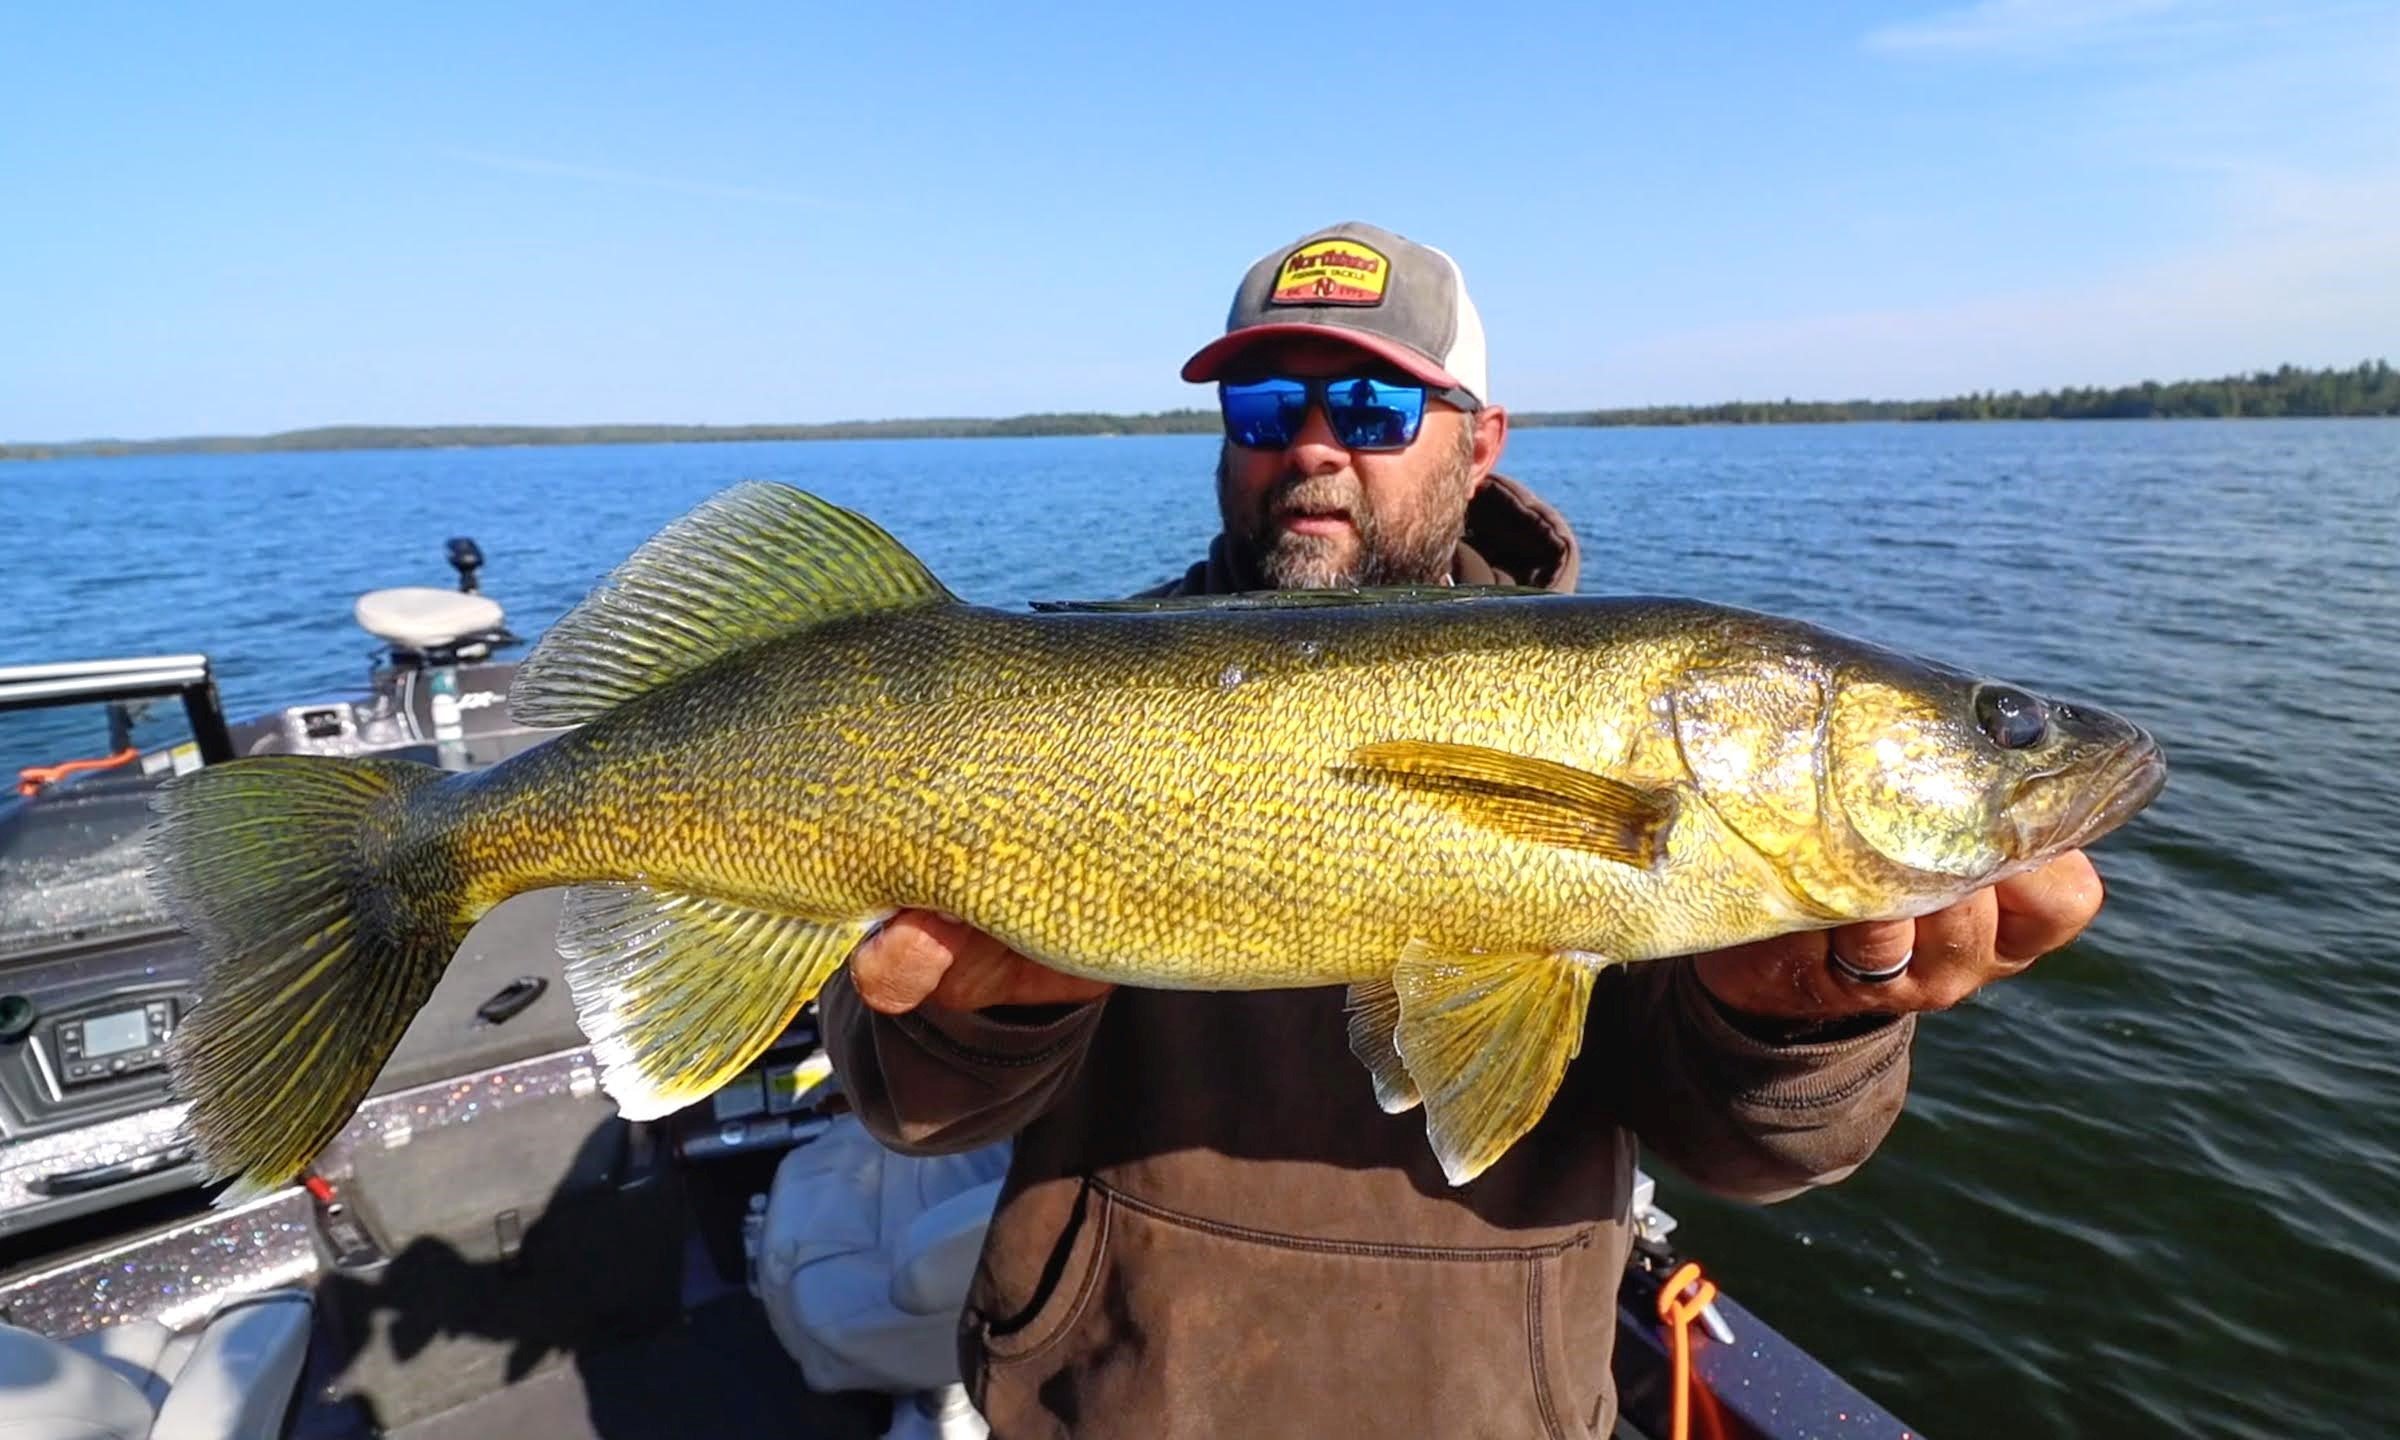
<point>1951,954</point>
<point>921,958</point>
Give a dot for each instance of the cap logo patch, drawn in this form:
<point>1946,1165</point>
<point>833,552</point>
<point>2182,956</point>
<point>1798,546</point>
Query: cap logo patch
<point>1332,272</point>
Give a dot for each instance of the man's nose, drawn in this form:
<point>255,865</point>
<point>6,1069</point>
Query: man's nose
<point>1315,450</point>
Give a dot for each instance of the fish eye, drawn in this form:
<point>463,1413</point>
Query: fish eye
<point>2014,719</point>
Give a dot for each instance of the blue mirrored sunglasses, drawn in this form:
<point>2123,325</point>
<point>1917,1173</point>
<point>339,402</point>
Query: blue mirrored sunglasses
<point>1364,412</point>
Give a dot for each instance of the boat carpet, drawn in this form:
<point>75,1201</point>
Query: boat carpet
<point>719,1374</point>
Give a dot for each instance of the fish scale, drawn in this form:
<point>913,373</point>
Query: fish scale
<point>1097,824</point>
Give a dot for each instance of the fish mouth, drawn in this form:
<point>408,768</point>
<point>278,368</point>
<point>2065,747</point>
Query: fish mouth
<point>2128,781</point>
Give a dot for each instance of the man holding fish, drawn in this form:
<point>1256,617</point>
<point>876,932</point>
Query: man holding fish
<point>1211,1226</point>
<point>1408,798</point>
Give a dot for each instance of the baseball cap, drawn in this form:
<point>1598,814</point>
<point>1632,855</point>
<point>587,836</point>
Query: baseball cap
<point>1366,286</point>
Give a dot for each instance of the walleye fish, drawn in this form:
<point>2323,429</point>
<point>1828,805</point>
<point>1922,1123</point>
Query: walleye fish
<point>1459,804</point>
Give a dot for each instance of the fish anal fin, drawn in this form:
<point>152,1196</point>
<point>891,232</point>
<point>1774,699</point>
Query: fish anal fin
<point>1542,801</point>
<point>1374,1014</point>
<point>757,561</point>
<point>677,993</point>
<point>1487,1038</point>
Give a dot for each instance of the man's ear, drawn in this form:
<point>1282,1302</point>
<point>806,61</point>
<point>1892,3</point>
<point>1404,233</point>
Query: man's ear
<point>1491,437</point>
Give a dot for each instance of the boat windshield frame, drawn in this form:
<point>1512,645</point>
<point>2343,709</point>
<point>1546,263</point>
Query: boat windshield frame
<point>185,678</point>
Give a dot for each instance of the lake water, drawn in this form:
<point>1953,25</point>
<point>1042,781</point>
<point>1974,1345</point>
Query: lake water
<point>2152,1187</point>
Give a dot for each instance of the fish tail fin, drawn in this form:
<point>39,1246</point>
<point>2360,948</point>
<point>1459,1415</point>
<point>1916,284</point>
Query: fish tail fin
<point>316,950</point>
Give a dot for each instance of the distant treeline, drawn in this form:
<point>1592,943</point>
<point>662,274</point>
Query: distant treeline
<point>2369,388</point>
<point>441,437</point>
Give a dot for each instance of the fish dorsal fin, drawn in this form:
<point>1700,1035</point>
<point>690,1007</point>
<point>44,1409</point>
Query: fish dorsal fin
<point>1374,1014</point>
<point>757,561</point>
<point>1530,798</point>
<point>1293,599</point>
<point>1487,1037</point>
<point>677,993</point>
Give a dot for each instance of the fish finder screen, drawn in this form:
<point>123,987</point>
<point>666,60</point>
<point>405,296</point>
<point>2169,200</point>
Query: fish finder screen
<point>108,1034</point>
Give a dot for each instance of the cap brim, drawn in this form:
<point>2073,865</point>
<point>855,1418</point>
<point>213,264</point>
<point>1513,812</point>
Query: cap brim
<point>1210,360</point>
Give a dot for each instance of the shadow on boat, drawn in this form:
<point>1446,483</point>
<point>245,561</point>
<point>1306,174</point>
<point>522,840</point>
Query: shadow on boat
<point>609,1315</point>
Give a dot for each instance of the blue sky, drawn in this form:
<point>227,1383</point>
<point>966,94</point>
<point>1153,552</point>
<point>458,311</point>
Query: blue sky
<point>235,218</point>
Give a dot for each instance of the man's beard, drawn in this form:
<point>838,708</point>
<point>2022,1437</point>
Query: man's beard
<point>1412,548</point>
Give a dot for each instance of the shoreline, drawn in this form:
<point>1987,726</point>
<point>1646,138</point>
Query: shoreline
<point>2370,389</point>
<point>405,439</point>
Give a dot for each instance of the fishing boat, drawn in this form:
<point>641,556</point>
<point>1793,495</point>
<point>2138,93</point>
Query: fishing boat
<point>489,1248</point>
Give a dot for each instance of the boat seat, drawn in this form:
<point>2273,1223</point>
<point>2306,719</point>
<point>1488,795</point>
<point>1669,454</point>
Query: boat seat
<point>232,1377</point>
<point>420,617</point>
<point>865,1256</point>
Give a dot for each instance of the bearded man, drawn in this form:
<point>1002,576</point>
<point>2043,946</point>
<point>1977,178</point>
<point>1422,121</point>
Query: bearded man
<point>1210,1228</point>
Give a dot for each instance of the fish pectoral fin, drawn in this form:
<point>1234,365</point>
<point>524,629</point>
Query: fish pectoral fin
<point>677,993</point>
<point>1538,800</point>
<point>758,561</point>
<point>1488,1038</point>
<point>1374,1014</point>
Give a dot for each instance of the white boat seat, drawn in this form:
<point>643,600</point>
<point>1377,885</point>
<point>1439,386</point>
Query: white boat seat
<point>230,1378</point>
<point>865,1257</point>
<point>420,617</point>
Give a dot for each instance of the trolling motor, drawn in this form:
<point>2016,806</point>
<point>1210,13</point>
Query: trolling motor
<point>466,558</point>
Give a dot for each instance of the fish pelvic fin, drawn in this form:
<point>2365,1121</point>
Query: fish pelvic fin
<point>316,951</point>
<point>678,992</point>
<point>757,561</point>
<point>1487,1037</point>
<point>1532,799</point>
<point>1374,1014</point>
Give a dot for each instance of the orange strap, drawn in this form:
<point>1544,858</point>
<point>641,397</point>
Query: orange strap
<point>33,777</point>
<point>1686,1294</point>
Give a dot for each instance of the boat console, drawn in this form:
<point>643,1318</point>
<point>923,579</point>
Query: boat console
<point>94,978</point>
<point>93,975</point>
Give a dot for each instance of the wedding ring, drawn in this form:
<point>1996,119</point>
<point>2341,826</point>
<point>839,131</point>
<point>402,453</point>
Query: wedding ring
<point>1852,972</point>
